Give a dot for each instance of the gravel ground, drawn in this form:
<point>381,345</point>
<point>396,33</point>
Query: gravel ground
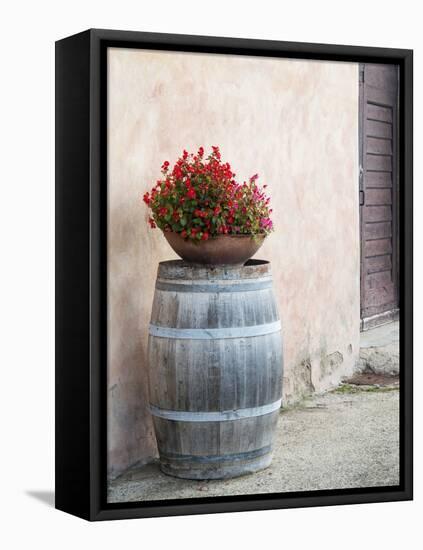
<point>342,439</point>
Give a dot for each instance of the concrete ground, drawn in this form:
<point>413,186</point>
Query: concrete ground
<point>342,439</point>
<point>379,349</point>
<point>380,336</point>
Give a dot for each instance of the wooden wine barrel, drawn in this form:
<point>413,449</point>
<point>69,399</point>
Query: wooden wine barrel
<point>215,368</point>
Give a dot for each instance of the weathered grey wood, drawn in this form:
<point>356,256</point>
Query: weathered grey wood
<point>379,211</point>
<point>378,197</point>
<point>378,296</point>
<point>379,129</point>
<point>378,263</point>
<point>380,279</point>
<point>379,163</point>
<point>238,376</point>
<point>211,286</point>
<point>377,112</point>
<point>377,230</point>
<point>379,146</point>
<point>182,271</point>
<point>213,450</point>
<point>383,77</point>
<point>377,214</point>
<point>377,247</point>
<point>378,179</point>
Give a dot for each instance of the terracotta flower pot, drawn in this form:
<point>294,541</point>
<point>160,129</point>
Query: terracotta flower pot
<point>220,250</point>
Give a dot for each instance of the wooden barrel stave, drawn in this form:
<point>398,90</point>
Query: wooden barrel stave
<point>214,352</point>
<point>220,310</point>
<point>213,450</point>
<point>207,375</point>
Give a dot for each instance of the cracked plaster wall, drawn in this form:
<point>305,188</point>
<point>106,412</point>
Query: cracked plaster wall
<point>296,124</point>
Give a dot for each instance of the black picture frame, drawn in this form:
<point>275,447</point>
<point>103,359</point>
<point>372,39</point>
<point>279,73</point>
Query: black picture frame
<point>81,277</point>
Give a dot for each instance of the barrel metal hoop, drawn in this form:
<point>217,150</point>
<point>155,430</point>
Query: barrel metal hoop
<point>215,287</point>
<point>215,333</point>
<point>215,416</point>
<point>248,455</point>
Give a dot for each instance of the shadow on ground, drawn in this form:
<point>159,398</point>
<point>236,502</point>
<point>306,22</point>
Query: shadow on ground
<point>46,497</point>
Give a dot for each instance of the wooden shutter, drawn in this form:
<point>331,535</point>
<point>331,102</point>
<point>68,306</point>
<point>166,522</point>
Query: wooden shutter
<point>379,188</point>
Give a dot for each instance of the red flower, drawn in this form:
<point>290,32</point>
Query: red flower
<point>146,198</point>
<point>200,213</point>
<point>216,151</point>
<point>177,172</point>
<point>152,223</point>
<point>244,208</point>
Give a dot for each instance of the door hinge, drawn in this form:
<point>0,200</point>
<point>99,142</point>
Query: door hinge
<point>361,74</point>
<point>361,197</point>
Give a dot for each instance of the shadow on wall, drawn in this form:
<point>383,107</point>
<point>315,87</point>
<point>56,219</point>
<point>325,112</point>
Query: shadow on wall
<point>130,427</point>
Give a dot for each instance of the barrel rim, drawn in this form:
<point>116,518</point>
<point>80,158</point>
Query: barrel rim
<point>178,269</point>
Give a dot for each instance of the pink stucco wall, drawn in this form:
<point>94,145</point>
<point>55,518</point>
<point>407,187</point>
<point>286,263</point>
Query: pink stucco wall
<point>293,122</point>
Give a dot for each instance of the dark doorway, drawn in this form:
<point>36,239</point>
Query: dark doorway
<point>378,193</point>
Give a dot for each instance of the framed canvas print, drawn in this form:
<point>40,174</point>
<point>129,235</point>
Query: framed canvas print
<point>233,274</point>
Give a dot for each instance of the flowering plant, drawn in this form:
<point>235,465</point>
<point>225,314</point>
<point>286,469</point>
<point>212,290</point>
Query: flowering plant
<point>199,198</point>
